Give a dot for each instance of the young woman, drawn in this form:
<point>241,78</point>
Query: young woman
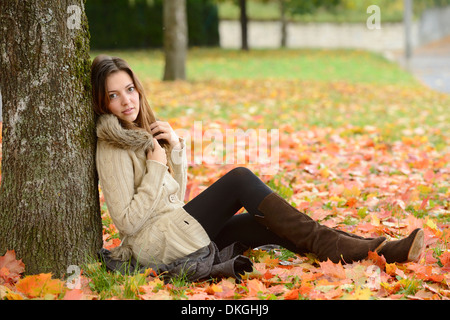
<point>142,170</point>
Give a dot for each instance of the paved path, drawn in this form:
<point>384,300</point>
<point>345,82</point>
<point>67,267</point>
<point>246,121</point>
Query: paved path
<point>431,65</point>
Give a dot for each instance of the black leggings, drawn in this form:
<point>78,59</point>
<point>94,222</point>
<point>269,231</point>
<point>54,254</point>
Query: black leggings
<point>215,209</point>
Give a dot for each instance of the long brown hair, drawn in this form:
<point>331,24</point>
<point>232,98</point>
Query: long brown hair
<point>102,67</point>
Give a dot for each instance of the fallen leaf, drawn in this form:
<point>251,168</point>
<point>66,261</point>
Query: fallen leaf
<point>292,294</point>
<point>39,286</point>
<point>255,287</point>
<point>74,294</point>
<point>378,260</point>
<point>10,268</point>
<point>335,270</point>
<point>358,294</point>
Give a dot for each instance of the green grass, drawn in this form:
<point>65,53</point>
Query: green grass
<point>113,284</point>
<point>352,66</point>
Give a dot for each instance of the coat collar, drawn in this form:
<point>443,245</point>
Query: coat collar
<point>111,131</point>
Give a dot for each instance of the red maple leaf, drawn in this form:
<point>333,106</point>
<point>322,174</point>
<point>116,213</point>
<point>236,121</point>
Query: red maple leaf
<point>10,268</point>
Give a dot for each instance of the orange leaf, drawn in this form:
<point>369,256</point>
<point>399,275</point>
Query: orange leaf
<point>292,294</point>
<point>39,285</point>
<point>255,286</point>
<point>445,260</point>
<point>268,275</point>
<point>75,294</point>
<point>270,263</point>
<point>379,261</point>
<point>305,288</point>
<point>351,202</point>
<point>391,268</point>
<point>332,269</point>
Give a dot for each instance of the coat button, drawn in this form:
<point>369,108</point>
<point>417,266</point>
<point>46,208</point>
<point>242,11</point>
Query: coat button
<point>173,198</point>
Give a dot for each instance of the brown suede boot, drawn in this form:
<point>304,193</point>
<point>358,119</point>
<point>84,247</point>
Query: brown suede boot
<point>407,249</point>
<point>309,236</point>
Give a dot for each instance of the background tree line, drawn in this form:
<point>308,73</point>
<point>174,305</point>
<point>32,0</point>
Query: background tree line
<point>133,24</point>
<point>110,22</point>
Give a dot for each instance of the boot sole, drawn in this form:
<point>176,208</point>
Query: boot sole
<point>416,246</point>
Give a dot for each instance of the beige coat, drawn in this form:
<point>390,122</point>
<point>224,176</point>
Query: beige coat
<point>144,200</point>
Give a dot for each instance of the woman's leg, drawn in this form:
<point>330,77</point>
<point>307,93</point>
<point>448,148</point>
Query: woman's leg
<point>216,205</point>
<point>244,229</point>
<point>223,199</point>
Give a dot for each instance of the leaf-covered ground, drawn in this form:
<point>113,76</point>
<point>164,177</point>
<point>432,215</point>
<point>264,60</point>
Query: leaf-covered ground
<point>369,158</point>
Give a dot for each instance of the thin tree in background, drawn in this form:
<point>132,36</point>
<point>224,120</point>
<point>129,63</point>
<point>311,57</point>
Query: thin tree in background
<point>244,24</point>
<point>175,39</point>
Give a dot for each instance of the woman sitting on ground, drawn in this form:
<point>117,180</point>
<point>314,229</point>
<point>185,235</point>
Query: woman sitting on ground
<point>143,173</point>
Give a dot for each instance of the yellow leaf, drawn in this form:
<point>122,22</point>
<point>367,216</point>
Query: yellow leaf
<point>7,294</point>
<point>362,294</point>
<point>337,199</point>
<point>391,268</point>
<point>375,220</point>
<point>353,192</point>
<point>325,173</point>
<point>212,289</point>
<point>424,189</point>
<point>358,294</point>
<point>430,223</point>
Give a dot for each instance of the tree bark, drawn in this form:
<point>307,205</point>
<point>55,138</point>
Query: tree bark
<point>49,200</point>
<point>175,39</point>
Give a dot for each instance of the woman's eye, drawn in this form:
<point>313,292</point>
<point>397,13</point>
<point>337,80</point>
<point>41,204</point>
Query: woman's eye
<point>112,96</point>
<point>131,89</point>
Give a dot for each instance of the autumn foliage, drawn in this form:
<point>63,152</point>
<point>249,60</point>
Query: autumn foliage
<point>383,176</point>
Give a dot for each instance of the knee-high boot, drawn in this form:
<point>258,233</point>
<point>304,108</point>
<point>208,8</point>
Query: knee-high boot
<point>309,236</point>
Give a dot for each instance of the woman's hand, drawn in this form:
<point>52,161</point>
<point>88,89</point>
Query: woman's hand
<point>163,130</point>
<point>158,153</point>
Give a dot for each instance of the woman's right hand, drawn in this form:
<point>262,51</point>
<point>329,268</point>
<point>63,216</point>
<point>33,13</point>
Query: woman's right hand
<point>158,153</point>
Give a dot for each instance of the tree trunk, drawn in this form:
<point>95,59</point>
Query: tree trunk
<point>283,21</point>
<point>49,201</point>
<point>175,39</point>
<point>407,21</point>
<point>244,24</point>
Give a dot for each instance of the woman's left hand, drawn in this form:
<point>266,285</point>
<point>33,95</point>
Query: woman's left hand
<point>163,130</point>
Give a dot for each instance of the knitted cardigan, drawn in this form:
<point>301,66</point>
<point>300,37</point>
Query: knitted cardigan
<point>144,200</point>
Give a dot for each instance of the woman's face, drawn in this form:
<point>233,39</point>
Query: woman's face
<point>123,96</point>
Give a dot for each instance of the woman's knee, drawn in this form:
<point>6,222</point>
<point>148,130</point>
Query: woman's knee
<point>241,172</point>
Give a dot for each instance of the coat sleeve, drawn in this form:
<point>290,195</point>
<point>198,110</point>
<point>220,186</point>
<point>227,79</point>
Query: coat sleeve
<point>179,164</point>
<point>129,208</point>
